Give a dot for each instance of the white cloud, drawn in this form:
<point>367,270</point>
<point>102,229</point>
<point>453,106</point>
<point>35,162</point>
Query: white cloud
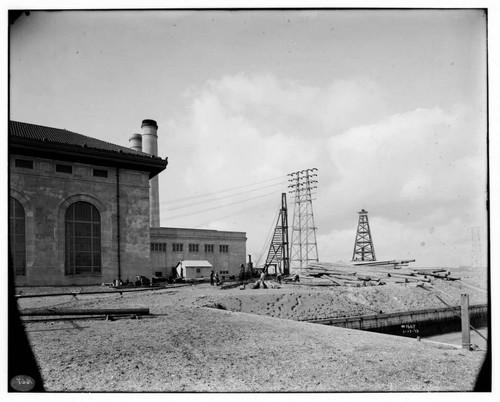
<point>277,104</point>
<point>412,171</point>
<point>424,154</point>
<point>413,189</point>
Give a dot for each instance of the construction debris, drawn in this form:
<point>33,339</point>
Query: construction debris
<point>373,273</point>
<point>234,284</point>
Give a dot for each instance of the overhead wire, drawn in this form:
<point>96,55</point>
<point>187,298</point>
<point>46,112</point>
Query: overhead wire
<point>233,213</point>
<point>219,198</point>
<point>196,196</point>
<point>222,206</point>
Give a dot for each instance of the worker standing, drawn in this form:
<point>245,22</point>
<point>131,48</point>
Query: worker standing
<point>212,278</point>
<point>262,278</point>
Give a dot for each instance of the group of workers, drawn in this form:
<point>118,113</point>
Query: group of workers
<point>214,278</point>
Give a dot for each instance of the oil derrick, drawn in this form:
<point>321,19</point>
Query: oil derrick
<point>363,245</point>
<point>279,254</point>
<point>304,246</point>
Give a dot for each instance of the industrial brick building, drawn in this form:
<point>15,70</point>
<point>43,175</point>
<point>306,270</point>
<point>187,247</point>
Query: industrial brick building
<point>81,211</point>
<point>226,251</point>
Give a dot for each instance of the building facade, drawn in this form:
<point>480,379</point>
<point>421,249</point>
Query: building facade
<point>226,251</point>
<point>84,211</point>
<point>78,208</point>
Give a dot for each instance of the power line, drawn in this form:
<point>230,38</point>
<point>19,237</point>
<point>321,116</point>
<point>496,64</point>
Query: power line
<point>173,201</point>
<point>233,213</point>
<point>221,206</point>
<point>219,198</point>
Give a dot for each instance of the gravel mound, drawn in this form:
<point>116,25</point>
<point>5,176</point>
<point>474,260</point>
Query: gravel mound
<point>251,343</point>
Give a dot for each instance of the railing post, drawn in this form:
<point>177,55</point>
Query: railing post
<point>465,322</point>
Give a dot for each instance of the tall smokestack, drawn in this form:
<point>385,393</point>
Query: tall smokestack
<point>135,141</point>
<point>150,146</point>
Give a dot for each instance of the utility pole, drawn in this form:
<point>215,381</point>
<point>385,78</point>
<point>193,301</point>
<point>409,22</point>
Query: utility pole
<point>304,245</point>
<point>279,254</point>
<point>464,304</point>
<point>363,245</point>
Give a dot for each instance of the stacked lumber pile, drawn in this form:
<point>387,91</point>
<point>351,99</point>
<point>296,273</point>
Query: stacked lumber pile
<point>235,283</point>
<point>370,274</point>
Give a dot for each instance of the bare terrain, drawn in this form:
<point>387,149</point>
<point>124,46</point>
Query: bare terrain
<point>252,342</point>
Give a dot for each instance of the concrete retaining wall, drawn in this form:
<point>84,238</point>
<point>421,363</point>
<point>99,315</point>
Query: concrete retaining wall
<point>412,323</point>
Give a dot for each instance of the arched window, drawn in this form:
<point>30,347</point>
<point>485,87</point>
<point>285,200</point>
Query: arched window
<point>83,239</point>
<point>17,236</point>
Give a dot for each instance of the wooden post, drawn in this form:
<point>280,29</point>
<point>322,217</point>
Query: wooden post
<point>465,322</point>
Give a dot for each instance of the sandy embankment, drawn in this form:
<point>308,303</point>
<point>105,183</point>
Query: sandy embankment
<point>187,347</point>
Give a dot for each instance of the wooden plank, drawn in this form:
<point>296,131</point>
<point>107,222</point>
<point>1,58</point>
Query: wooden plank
<point>410,278</point>
<point>328,271</point>
<point>60,312</point>
<point>440,276</point>
<point>430,270</point>
<point>343,277</point>
<point>387,262</point>
<point>364,277</point>
<point>453,278</point>
<point>382,271</point>
<point>335,281</point>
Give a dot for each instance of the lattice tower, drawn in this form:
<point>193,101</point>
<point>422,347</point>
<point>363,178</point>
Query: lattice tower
<point>476,254</point>
<point>279,254</point>
<point>363,245</point>
<point>304,248</point>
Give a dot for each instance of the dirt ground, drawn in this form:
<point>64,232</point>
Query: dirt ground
<point>255,345</point>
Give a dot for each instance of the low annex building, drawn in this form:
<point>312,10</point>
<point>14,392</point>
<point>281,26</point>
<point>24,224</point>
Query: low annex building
<point>194,269</point>
<point>84,211</point>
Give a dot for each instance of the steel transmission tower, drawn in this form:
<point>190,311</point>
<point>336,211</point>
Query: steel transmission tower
<point>363,245</point>
<point>304,245</point>
<point>476,254</point>
<point>279,254</point>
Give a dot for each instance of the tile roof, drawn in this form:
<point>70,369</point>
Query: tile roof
<point>33,132</point>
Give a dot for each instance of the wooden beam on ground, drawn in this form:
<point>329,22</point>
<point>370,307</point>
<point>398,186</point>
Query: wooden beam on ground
<point>342,277</point>
<point>426,271</point>
<point>78,312</point>
<point>119,290</point>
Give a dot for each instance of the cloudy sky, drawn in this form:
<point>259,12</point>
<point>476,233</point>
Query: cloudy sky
<point>388,105</point>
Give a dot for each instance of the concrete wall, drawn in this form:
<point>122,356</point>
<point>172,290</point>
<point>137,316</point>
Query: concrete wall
<point>226,264</point>
<point>412,323</point>
<point>46,194</point>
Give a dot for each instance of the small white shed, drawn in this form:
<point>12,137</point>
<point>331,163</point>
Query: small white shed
<point>191,269</point>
